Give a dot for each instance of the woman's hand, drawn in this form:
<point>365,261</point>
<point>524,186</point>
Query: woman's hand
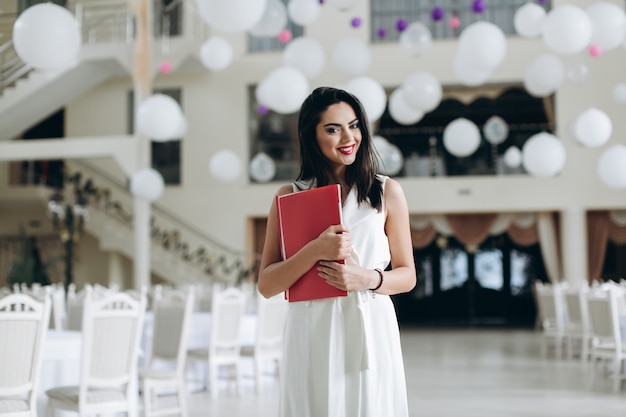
<point>348,276</point>
<point>334,243</point>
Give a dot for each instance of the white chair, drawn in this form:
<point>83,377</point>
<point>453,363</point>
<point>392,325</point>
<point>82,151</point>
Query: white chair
<point>578,328</point>
<point>74,307</point>
<point>552,312</point>
<point>607,346</point>
<point>172,314</point>
<point>59,310</point>
<point>228,307</point>
<point>23,324</point>
<point>111,331</point>
<point>268,342</point>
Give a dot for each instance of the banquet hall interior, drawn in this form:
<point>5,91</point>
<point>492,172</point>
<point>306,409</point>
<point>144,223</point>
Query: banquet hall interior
<point>142,143</point>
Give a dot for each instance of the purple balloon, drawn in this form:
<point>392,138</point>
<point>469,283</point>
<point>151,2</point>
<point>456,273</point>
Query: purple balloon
<point>381,32</point>
<point>437,13</point>
<point>356,22</point>
<point>478,6</point>
<point>262,110</point>
<point>401,25</point>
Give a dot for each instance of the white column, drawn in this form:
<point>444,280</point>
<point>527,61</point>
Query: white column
<point>141,230</point>
<point>574,244</point>
<point>116,270</point>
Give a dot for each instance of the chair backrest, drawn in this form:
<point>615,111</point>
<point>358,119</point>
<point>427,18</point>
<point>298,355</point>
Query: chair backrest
<point>228,307</point>
<point>111,332</point>
<point>577,310</point>
<point>270,328</point>
<point>551,306</point>
<point>74,307</point>
<point>172,314</point>
<point>604,317</point>
<point>59,309</point>
<point>23,325</point>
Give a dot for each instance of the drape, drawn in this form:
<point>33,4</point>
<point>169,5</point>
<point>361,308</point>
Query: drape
<point>523,236</point>
<point>422,237</point>
<point>548,242</point>
<point>471,229</point>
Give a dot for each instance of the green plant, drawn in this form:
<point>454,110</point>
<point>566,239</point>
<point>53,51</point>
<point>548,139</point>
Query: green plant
<point>29,267</point>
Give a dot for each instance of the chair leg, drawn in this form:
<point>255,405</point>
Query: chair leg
<point>182,397</point>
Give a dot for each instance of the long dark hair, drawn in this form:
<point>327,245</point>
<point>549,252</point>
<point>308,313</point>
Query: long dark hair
<point>314,165</point>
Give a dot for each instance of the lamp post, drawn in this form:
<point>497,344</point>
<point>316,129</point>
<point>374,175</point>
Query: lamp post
<point>68,220</point>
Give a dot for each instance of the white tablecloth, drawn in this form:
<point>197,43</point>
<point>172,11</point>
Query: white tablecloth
<point>60,365</point>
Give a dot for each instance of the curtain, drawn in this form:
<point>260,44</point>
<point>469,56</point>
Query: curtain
<point>617,233</point>
<point>471,229</point>
<point>422,237</point>
<point>523,236</point>
<point>548,239</point>
<point>597,236</point>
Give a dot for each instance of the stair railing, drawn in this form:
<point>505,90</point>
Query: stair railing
<point>171,233</point>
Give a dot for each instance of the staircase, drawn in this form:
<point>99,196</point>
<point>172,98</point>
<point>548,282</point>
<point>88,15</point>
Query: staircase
<point>179,253</point>
<point>29,96</point>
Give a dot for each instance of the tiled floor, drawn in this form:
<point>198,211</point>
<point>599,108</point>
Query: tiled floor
<point>464,373</point>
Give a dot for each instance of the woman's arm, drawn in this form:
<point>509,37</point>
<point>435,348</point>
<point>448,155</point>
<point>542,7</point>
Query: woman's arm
<point>402,277</point>
<point>276,275</point>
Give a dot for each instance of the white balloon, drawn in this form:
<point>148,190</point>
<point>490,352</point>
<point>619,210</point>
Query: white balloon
<point>216,53</point>
<point>567,29</point>
<point>47,37</point>
<point>608,23</point>
<point>496,130</point>
<point>371,95</point>
<point>593,128</point>
<point>482,45</point>
<point>612,167</point>
<point>342,4</point>
<point>283,90</point>
<point>380,143</point>
<point>619,93</point>
<point>468,75</point>
<point>303,12</point>
<point>400,111</point>
<point>225,166</point>
<point>389,155</point>
<point>233,15</point>
<point>182,128</point>
<point>159,117</point>
<point>461,137</point>
<point>513,157</point>
<point>528,20</point>
<point>416,39</point>
<point>544,75</point>
<point>273,20</point>
<point>147,184</point>
<point>262,167</point>
<point>351,57</point>
<point>543,155</point>
<point>422,91</point>
<point>306,55</point>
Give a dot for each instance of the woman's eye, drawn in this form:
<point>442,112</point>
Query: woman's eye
<point>354,126</point>
<point>332,130</point>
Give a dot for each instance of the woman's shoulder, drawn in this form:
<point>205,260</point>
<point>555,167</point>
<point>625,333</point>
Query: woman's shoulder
<point>285,189</point>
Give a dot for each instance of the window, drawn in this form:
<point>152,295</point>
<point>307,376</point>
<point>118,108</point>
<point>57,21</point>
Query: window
<point>454,272</point>
<point>488,269</point>
<point>166,156</point>
<point>421,144</point>
<point>385,15</point>
<point>269,44</point>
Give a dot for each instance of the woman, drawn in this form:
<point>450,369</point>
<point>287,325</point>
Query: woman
<point>342,355</point>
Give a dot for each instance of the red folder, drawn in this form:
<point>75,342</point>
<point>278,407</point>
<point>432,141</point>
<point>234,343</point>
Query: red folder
<point>302,217</point>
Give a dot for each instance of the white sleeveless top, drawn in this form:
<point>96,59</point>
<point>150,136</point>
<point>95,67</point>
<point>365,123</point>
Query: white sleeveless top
<point>342,356</point>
